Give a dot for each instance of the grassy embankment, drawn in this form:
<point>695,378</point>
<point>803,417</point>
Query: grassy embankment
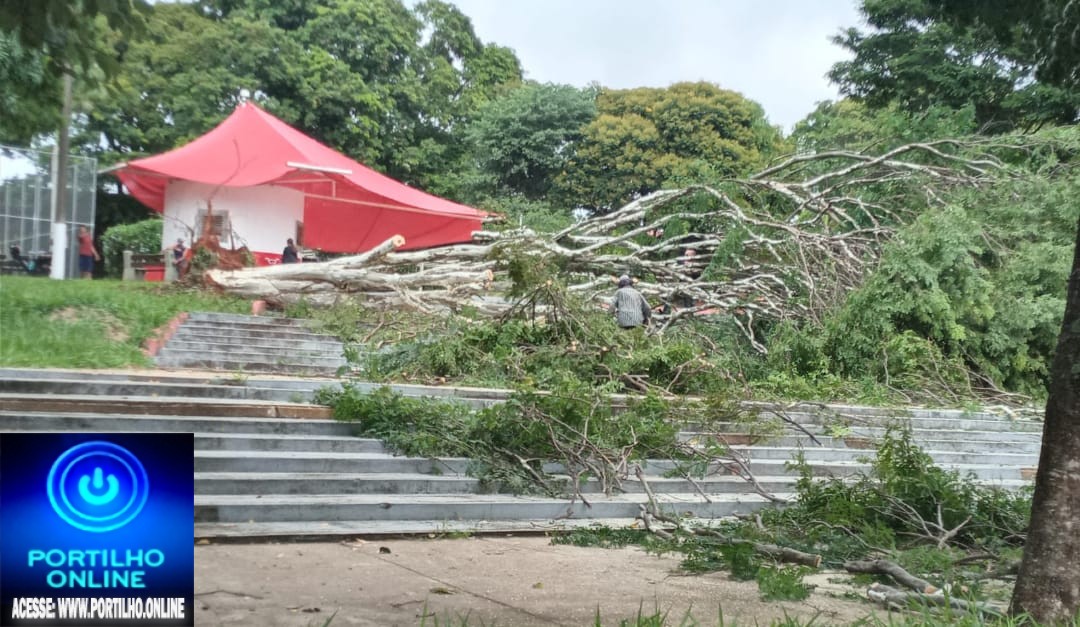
<point>90,324</point>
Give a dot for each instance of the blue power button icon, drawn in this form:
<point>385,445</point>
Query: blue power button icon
<point>98,486</point>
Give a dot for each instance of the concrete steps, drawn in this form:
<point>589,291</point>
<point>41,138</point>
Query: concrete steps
<point>286,442</point>
<point>306,347</point>
<point>241,319</point>
<point>419,483</point>
<point>212,341</point>
<point>395,507</point>
<point>275,360</point>
<point>221,390</point>
<point>160,406</point>
<point>247,428</point>
<point>266,465</point>
<point>842,454</point>
<point>928,440</point>
<point>220,333</point>
<point>376,528</point>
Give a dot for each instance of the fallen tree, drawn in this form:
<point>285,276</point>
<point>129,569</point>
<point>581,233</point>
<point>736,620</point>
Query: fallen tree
<point>787,242</point>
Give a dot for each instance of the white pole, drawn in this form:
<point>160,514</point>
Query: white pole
<point>59,181</point>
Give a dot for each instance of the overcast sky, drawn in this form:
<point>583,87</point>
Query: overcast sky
<point>773,51</point>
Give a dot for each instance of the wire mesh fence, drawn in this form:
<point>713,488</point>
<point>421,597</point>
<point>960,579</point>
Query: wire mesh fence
<point>26,213</point>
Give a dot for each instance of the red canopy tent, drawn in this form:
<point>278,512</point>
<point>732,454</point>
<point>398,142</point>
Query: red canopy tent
<point>348,207</point>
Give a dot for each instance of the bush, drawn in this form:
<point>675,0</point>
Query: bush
<point>139,237</point>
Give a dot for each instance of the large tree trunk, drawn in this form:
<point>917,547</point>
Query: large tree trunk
<point>1048,587</point>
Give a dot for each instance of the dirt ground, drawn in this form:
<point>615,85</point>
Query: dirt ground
<point>490,580</point>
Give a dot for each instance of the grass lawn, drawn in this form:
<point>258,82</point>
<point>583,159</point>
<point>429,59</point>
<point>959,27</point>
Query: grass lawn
<point>90,324</point>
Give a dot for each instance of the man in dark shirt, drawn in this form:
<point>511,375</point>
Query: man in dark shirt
<point>289,255</point>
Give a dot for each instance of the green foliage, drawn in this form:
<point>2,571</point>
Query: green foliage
<point>936,304</point>
<point>523,138</point>
<point>344,320</point>
<point>388,84</point>
<point>580,345</point>
<point>31,94</point>
<point>140,237</point>
<point>299,309</point>
<point>885,507</point>
<point>645,138</point>
<point>90,324</point>
<point>740,559</point>
<point>538,215</point>
<point>204,259</point>
<point>411,426</point>
<point>916,59</point>
<point>507,443</point>
<point>65,36</point>
<point>853,125</point>
<point>879,513</point>
<point>1045,27</point>
<point>603,537</point>
<point>783,584</point>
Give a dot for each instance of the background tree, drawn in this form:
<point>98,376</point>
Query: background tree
<point>522,140</point>
<point>168,91</point>
<point>917,58</point>
<point>68,31</point>
<point>30,99</point>
<point>645,138</point>
<point>42,40</point>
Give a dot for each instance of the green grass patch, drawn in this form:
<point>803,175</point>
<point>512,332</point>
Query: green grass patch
<point>90,324</point>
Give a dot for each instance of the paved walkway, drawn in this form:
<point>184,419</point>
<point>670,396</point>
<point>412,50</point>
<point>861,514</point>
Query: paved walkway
<point>492,580</point>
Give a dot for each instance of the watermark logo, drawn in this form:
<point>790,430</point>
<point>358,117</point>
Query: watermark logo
<point>98,486</point>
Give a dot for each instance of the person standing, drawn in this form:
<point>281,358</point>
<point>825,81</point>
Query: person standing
<point>87,253</point>
<point>630,307</point>
<point>290,255</point>
<point>180,258</point>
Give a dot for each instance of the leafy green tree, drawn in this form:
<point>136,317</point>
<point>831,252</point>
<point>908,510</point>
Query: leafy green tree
<point>169,91</point>
<point>915,58</point>
<point>42,40</point>
<point>1049,27</point>
<point>458,73</point>
<point>68,31</point>
<point>30,98</point>
<point>523,139</point>
<point>645,138</point>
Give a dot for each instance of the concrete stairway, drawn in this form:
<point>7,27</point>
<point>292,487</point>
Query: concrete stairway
<point>217,341</point>
<point>269,465</point>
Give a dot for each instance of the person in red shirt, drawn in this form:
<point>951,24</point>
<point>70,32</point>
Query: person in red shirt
<point>87,253</point>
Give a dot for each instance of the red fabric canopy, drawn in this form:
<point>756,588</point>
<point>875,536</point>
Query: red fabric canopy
<point>348,207</point>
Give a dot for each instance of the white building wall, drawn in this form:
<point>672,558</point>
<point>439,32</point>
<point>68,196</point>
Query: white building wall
<point>262,217</point>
